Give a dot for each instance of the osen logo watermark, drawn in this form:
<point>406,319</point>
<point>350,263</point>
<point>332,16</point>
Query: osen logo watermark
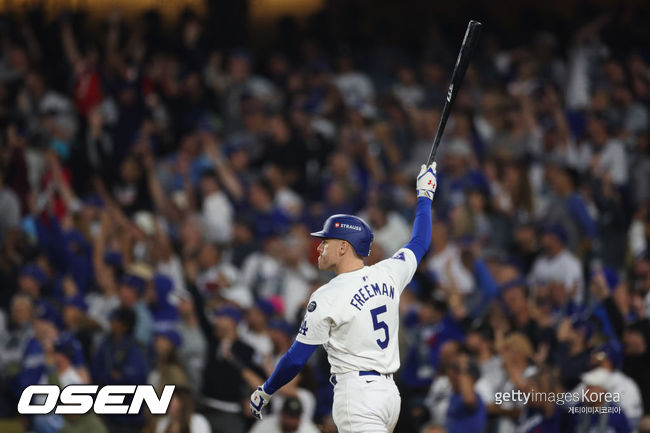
<point>80,399</point>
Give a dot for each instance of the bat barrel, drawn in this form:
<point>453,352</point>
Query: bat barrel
<point>469,42</point>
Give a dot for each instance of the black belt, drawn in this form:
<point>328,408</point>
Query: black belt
<point>361,373</point>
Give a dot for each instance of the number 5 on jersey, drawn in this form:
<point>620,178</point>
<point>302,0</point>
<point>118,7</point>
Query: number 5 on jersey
<point>380,324</point>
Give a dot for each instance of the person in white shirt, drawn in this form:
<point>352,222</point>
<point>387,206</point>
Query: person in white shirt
<point>603,155</point>
<point>609,358</point>
<point>446,264</point>
<point>289,420</point>
<point>217,210</point>
<point>253,330</point>
<point>356,87</point>
<point>557,265</point>
<point>390,229</point>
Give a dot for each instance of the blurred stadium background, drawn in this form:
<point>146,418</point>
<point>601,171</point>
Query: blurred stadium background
<point>162,162</point>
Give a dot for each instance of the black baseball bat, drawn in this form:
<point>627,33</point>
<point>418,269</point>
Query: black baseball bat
<point>464,55</point>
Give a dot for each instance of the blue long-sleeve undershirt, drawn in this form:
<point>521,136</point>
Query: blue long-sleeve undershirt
<point>289,366</point>
<point>421,238</point>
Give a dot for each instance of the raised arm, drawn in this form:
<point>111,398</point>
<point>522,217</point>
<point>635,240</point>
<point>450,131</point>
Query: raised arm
<point>426,187</point>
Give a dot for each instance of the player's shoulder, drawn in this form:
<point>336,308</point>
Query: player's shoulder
<point>401,256</point>
<point>326,292</point>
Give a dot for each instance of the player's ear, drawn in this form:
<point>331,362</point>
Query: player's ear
<point>343,247</point>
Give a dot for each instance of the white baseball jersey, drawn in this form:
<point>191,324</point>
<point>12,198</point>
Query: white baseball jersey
<point>356,316</point>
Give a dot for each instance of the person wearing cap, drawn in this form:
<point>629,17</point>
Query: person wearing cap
<point>356,317</point>
<point>289,420</point>
<point>263,271</point>
<point>253,330</point>
<point>572,352</point>
<point>568,208</point>
<point>163,311</point>
<point>131,293</point>
<point>119,360</point>
<point>466,411</point>
<point>31,280</point>
<point>65,353</point>
<point>609,358</point>
<point>557,266</point>
<point>23,357</point>
<point>480,343</point>
<point>76,321</point>
<point>514,294</point>
<point>168,369</point>
<point>598,382</point>
<point>437,399</point>
<point>227,357</point>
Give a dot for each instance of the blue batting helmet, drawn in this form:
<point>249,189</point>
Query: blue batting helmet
<point>348,228</point>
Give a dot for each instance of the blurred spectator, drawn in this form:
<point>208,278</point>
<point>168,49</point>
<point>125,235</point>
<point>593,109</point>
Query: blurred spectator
<point>557,268</point>
<point>168,369</point>
<point>10,217</point>
<point>606,361</point>
<point>466,410</point>
<point>193,350</point>
<point>446,264</point>
<point>390,230</point>
<point>253,331</point>
<point>181,415</point>
<point>597,381</point>
<point>227,356</point>
<point>119,361</point>
<point>289,420</point>
<point>131,292</point>
<point>217,210</point>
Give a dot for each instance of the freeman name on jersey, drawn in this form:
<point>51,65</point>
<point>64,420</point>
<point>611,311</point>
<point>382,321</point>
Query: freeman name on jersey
<point>370,291</point>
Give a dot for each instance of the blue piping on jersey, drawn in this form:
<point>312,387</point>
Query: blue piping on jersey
<point>421,238</point>
<point>289,366</point>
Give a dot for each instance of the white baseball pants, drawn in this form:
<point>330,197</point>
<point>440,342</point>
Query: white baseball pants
<point>365,404</point>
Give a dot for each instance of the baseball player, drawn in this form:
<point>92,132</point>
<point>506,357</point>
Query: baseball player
<point>356,318</point>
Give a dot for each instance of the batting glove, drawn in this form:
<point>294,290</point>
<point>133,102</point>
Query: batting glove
<point>259,399</point>
<point>427,181</point>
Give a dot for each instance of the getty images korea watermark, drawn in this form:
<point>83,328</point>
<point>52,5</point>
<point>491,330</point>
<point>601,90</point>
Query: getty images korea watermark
<point>585,401</point>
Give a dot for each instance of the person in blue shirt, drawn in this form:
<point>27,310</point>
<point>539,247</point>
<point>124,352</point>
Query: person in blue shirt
<point>466,411</point>
<point>120,361</point>
<point>165,314</point>
<point>132,288</point>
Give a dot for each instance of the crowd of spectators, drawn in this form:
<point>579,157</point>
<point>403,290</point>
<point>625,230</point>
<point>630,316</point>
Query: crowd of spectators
<point>156,196</point>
